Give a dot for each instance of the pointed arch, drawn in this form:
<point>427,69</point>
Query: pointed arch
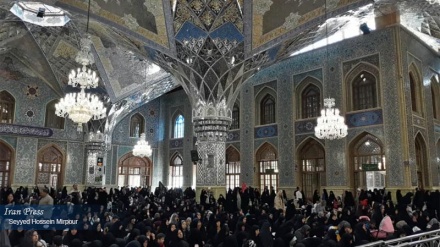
<point>422,166</point>
<point>176,171</point>
<point>50,166</point>
<point>134,171</point>
<point>52,120</point>
<point>7,164</point>
<point>232,168</point>
<point>266,106</point>
<point>367,162</point>
<point>267,158</point>
<point>137,125</point>
<point>362,85</point>
<point>309,97</point>
<point>416,86</point>
<point>7,107</point>
<point>178,125</point>
<point>311,155</point>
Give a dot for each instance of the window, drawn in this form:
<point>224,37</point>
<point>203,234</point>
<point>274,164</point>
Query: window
<point>176,173</point>
<point>435,93</point>
<point>362,85</point>
<point>137,125</point>
<point>5,165</point>
<point>7,107</point>
<point>267,167</point>
<point>364,92</point>
<point>134,171</point>
<point>369,165</point>
<point>232,168</point>
<point>415,85</point>
<point>267,109</point>
<point>235,117</point>
<point>312,160</point>
<point>421,162</point>
<point>50,167</point>
<point>179,126</point>
<point>310,102</point>
<point>52,120</point>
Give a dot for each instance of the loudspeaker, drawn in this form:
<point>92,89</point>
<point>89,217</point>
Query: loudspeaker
<point>41,12</point>
<point>194,156</point>
<point>364,28</point>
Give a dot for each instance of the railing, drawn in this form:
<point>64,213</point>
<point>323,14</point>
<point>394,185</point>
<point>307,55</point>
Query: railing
<point>431,238</point>
<point>428,242</point>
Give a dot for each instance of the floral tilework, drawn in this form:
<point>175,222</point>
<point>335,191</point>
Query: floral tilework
<point>75,163</point>
<point>25,161</point>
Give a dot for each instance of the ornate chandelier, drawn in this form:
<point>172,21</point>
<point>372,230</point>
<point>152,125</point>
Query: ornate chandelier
<point>142,148</point>
<point>82,107</point>
<point>330,125</point>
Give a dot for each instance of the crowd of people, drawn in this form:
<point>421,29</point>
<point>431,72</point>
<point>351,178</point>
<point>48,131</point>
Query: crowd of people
<point>138,217</point>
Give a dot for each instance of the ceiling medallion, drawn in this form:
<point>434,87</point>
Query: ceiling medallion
<point>31,91</point>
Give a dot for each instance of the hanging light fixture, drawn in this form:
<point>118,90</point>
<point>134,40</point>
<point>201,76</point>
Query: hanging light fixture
<point>330,125</point>
<point>142,148</point>
<point>82,107</point>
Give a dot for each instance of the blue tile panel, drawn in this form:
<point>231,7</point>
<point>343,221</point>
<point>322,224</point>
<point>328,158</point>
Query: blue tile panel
<point>227,31</point>
<point>364,118</point>
<point>305,126</point>
<point>176,143</point>
<point>189,31</point>
<point>233,135</point>
<point>266,131</point>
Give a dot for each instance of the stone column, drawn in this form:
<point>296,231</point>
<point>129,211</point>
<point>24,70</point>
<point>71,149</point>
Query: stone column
<point>211,125</point>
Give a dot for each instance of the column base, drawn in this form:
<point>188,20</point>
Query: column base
<point>215,190</point>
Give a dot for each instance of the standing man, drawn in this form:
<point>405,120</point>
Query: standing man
<point>46,203</point>
<point>299,197</point>
<point>76,195</point>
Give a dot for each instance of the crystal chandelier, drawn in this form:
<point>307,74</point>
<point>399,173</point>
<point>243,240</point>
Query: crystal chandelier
<point>142,148</point>
<point>330,125</point>
<point>82,107</point>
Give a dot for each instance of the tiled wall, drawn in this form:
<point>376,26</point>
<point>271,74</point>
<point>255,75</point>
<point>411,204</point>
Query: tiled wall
<point>328,65</point>
<point>68,140</point>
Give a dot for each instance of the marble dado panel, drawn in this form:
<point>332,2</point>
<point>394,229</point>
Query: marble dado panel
<point>366,118</point>
<point>233,136</point>
<point>305,126</point>
<point>176,143</point>
<point>419,121</point>
<point>373,59</point>
<point>266,131</point>
<point>25,163</point>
